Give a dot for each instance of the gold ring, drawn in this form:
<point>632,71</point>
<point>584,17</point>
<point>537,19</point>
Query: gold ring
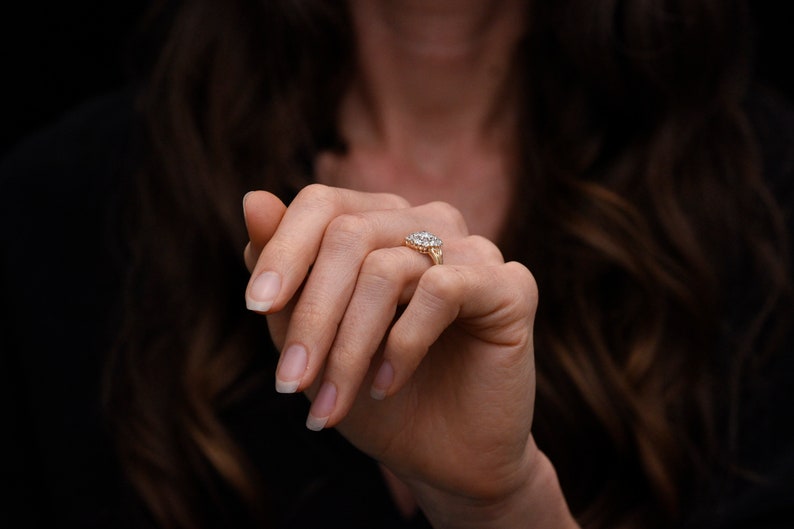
<point>426,242</point>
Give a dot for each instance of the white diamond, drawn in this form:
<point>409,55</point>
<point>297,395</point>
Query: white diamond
<point>423,241</point>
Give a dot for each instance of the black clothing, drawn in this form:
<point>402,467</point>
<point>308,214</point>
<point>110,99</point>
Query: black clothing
<point>61,272</point>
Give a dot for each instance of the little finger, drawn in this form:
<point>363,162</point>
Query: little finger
<point>496,304</point>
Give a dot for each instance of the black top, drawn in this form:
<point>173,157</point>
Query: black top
<point>61,269</point>
<point>61,272</point>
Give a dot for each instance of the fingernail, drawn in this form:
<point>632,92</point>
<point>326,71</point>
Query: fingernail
<point>245,216</point>
<point>263,292</point>
<point>322,407</point>
<point>383,381</point>
<point>245,197</point>
<point>291,368</point>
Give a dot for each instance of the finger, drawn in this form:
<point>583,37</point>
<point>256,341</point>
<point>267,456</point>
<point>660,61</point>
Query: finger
<point>285,259</point>
<point>496,304</point>
<point>250,256</point>
<point>347,241</point>
<point>386,276</point>
<point>262,212</point>
<point>473,250</point>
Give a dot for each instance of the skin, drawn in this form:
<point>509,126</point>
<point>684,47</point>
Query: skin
<point>430,115</point>
<point>429,369</point>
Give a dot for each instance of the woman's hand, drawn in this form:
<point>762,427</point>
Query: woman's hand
<point>429,369</point>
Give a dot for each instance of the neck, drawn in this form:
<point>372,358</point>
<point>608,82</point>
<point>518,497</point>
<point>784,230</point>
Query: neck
<point>431,73</point>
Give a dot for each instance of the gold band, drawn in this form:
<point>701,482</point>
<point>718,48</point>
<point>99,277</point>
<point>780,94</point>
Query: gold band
<point>436,255</point>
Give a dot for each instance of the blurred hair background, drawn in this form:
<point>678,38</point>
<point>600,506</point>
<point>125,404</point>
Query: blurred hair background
<point>56,55</point>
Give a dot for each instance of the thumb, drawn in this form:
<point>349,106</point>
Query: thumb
<point>262,212</point>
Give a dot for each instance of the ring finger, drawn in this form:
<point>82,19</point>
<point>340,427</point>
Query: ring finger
<point>388,278</point>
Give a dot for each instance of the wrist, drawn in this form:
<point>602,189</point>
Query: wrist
<point>534,500</point>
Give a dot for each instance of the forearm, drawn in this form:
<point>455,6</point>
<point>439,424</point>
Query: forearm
<point>538,503</point>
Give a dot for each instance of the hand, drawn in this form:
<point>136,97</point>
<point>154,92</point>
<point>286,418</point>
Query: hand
<point>446,351</point>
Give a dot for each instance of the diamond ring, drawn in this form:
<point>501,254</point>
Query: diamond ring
<point>426,242</point>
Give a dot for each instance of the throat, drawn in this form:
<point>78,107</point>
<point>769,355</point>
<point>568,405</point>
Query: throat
<point>478,185</point>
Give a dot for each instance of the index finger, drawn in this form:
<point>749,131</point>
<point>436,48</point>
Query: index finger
<point>286,258</point>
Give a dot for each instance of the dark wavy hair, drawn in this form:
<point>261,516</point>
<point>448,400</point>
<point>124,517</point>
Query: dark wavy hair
<point>639,171</point>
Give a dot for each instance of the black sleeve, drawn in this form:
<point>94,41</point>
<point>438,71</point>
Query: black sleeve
<point>59,274</point>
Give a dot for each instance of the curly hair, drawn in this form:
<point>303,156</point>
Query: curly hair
<point>638,172</point>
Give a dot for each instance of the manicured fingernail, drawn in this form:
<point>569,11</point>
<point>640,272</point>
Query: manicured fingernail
<point>245,216</point>
<point>291,368</point>
<point>263,292</point>
<point>322,407</point>
<point>383,381</point>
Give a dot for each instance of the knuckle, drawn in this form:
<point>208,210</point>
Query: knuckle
<point>349,231</point>
<point>485,248</point>
<point>380,276</point>
<point>451,215</point>
<point>440,285</point>
<point>402,342</point>
<point>381,265</point>
<point>355,224</point>
<point>395,201</point>
<point>527,287</point>
<point>318,196</point>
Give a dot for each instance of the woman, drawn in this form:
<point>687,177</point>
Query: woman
<point>609,150</point>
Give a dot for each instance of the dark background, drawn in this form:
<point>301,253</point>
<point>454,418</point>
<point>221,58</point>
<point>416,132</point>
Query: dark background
<point>58,54</point>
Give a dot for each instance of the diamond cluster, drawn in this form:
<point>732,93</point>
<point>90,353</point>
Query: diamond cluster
<point>423,241</point>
